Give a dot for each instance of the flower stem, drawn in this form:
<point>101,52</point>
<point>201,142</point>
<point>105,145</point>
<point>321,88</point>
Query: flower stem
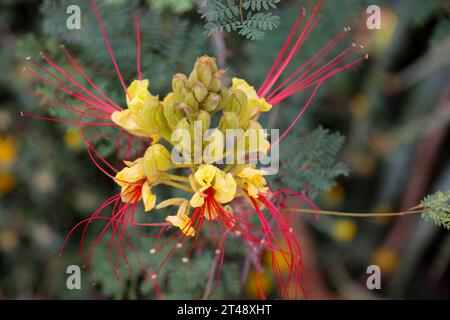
<point>176,177</point>
<point>354,214</point>
<point>177,185</point>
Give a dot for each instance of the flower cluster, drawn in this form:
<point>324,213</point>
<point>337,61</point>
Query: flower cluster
<point>232,197</point>
<point>197,98</point>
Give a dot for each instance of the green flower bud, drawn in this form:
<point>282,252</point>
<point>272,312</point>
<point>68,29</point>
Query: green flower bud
<point>158,120</point>
<point>211,102</point>
<point>205,74</point>
<point>182,138</point>
<point>172,113</point>
<point>156,159</point>
<point>180,87</point>
<point>184,124</point>
<point>216,83</point>
<point>203,71</point>
<point>237,101</point>
<point>200,91</point>
<point>205,119</point>
<point>229,120</point>
<point>191,101</point>
<point>224,97</point>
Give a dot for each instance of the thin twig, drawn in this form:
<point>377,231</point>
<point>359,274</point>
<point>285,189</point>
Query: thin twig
<point>354,214</point>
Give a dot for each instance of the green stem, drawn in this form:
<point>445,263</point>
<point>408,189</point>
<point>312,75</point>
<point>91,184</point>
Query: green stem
<point>177,185</point>
<point>176,177</point>
<point>354,214</point>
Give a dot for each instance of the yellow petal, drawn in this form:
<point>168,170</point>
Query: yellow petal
<point>130,175</point>
<point>224,187</point>
<point>183,223</point>
<point>205,175</point>
<point>138,93</point>
<point>259,104</point>
<point>148,197</point>
<point>252,180</point>
<point>197,200</point>
<point>128,193</point>
<point>133,124</point>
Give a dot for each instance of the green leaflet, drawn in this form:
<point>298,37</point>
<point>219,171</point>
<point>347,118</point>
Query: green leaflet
<point>309,163</point>
<point>247,18</point>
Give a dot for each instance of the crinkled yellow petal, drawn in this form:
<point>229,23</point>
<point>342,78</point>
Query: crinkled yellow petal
<point>205,175</point>
<point>138,93</point>
<point>183,222</point>
<point>130,179</point>
<point>131,174</point>
<point>252,180</point>
<point>224,187</point>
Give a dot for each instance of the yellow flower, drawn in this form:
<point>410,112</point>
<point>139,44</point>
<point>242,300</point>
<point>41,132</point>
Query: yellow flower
<point>9,239</point>
<point>73,139</point>
<point>281,257</point>
<point>258,104</point>
<point>345,230</point>
<point>259,283</point>
<point>181,220</point>
<point>138,94</point>
<point>209,176</point>
<point>252,180</point>
<point>131,179</point>
<point>334,197</point>
<point>8,151</point>
<point>137,119</point>
<point>7,182</point>
<point>386,259</point>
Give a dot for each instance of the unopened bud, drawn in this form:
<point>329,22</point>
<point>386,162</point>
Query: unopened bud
<point>203,71</point>
<point>200,91</point>
<point>205,118</point>
<point>229,120</point>
<point>179,87</point>
<point>237,101</point>
<point>171,112</point>
<point>191,101</point>
<point>156,159</point>
<point>211,102</point>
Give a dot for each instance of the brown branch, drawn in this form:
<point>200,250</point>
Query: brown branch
<point>422,168</point>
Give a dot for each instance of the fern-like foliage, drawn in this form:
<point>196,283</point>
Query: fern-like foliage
<point>245,17</point>
<point>309,162</point>
<point>436,207</point>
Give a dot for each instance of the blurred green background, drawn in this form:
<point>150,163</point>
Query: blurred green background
<point>394,112</point>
